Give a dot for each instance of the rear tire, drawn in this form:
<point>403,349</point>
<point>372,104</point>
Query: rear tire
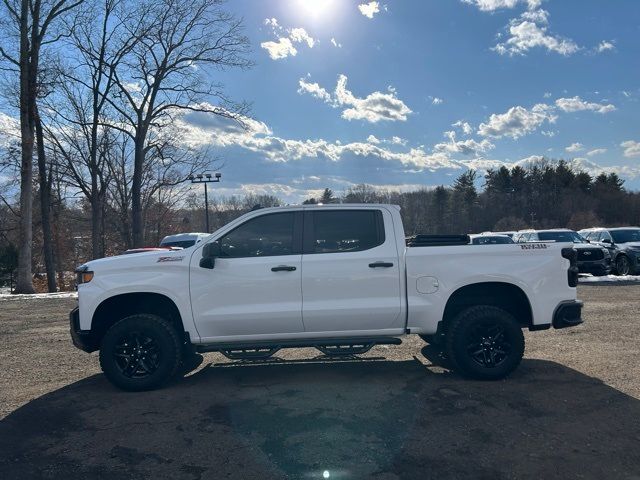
<point>140,352</point>
<point>485,343</point>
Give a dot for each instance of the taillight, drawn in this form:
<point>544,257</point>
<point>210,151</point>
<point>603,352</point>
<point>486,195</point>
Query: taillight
<point>571,254</point>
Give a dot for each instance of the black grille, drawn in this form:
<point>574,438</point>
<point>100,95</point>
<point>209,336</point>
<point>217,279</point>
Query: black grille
<point>590,254</point>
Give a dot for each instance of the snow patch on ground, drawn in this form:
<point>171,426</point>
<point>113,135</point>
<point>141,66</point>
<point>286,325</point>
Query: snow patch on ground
<point>6,294</point>
<point>609,279</point>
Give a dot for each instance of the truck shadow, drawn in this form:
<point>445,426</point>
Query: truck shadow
<point>367,419</point>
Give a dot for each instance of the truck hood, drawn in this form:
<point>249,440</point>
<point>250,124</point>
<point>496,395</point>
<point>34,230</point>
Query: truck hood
<point>137,260</point>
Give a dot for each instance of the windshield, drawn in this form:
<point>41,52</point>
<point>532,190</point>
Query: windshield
<point>569,237</point>
<point>182,244</point>
<point>624,236</point>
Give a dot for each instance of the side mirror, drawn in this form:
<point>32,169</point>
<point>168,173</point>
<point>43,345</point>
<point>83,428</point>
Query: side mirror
<point>607,241</point>
<point>209,253</point>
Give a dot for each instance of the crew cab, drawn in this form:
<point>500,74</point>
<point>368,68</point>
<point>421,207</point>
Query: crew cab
<point>341,278</point>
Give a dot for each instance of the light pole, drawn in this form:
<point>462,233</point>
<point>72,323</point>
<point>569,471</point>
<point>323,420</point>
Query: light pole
<point>206,178</point>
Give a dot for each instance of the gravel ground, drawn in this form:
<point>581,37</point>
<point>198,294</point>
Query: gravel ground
<point>572,409</point>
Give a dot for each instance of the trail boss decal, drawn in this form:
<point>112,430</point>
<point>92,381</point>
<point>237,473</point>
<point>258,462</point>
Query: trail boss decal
<point>533,246</point>
<point>170,259</point>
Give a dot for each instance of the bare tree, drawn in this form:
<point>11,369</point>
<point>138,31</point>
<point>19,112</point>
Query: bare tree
<point>166,168</point>
<point>178,43</point>
<point>80,118</point>
<point>33,24</point>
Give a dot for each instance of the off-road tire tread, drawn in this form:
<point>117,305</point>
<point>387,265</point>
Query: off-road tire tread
<point>471,314</point>
<point>173,335</point>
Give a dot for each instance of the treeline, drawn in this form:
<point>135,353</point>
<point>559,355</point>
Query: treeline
<point>97,87</point>
<point>541,195</point>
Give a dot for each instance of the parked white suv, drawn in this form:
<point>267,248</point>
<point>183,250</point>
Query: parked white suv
<point>340,278</point>
<point>183,240</point>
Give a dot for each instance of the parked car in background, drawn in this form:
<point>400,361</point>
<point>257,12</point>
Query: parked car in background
<point>509,234</point>
<point>593,259</point>
<point>183,240</point>
<point>490,239</point>
<point>623,244</point>
<point>146,249</point>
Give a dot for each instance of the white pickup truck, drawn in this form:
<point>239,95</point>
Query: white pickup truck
<point>341,278</point>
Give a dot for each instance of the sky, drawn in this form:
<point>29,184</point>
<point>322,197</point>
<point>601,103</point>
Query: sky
<point>405,94</point>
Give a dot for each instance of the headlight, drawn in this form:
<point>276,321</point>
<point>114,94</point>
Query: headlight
<point>83,275</point>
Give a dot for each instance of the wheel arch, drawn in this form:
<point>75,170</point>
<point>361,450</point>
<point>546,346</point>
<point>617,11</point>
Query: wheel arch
<point>117,307</point>
<point>503,295</point>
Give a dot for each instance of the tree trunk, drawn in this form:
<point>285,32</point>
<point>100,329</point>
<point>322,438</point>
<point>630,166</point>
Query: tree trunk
<point>97,223</point>
<point>24,280</point>
<point>45,206</point>
<point>136,195</point>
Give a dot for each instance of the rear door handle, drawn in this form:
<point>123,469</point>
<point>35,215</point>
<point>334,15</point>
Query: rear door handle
<point>283,268</point>
<point>380,265</point>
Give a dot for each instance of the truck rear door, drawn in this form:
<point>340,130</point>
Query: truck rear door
<point>350,271</point>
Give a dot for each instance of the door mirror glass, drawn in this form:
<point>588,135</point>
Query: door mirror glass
<point>209,253</point>
<point>211,250</point>
<point>606,240</point>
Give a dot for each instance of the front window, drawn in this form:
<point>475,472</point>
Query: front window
<point>561,237</point>
<point>627,235</point>
<point>264,236</point>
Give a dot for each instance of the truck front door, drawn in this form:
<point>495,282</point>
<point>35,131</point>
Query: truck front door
<point>254,288</point>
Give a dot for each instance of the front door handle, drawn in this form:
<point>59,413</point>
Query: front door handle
<point>380,265</point>
<point>283,268</point>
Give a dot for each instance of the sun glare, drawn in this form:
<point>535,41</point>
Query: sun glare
<point>316,8</point>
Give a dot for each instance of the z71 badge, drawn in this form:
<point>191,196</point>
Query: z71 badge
<point>169,259</point>
<point>533,246</point>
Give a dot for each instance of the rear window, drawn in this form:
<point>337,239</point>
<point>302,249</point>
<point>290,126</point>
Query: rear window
<point>346,231</point>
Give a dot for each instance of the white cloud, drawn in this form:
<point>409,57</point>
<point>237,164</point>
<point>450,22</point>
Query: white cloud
<point>492,5</point>
<point>596,151</point>
<point>280,49</point>
<point>631,148</point>
<point>548,133</point>
<point>335,43</point>
<point>373,139</point>
<point>530,31</point>
<point>465,147</point>
<point>369,9</point>
<point>517,121</point>
<point>575,147</point>
<point>375,107</point>
<point>398,141</point>
<point>314,89</point>
<point>547,95</point>
<point>300,35</point>
<point>464,126</point>
<point>436,100</point>
<point>604,46</point>
<point>9,130</point>
<point>576,104</point>
<point>284,46</point>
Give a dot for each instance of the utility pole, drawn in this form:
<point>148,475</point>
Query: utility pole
<point>206,178</point>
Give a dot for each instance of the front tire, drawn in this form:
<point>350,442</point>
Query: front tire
<point>485,343</point>
<point>140,352</point>
<point>623,265</point>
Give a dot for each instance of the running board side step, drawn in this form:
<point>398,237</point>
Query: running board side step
<point>264,349</point>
